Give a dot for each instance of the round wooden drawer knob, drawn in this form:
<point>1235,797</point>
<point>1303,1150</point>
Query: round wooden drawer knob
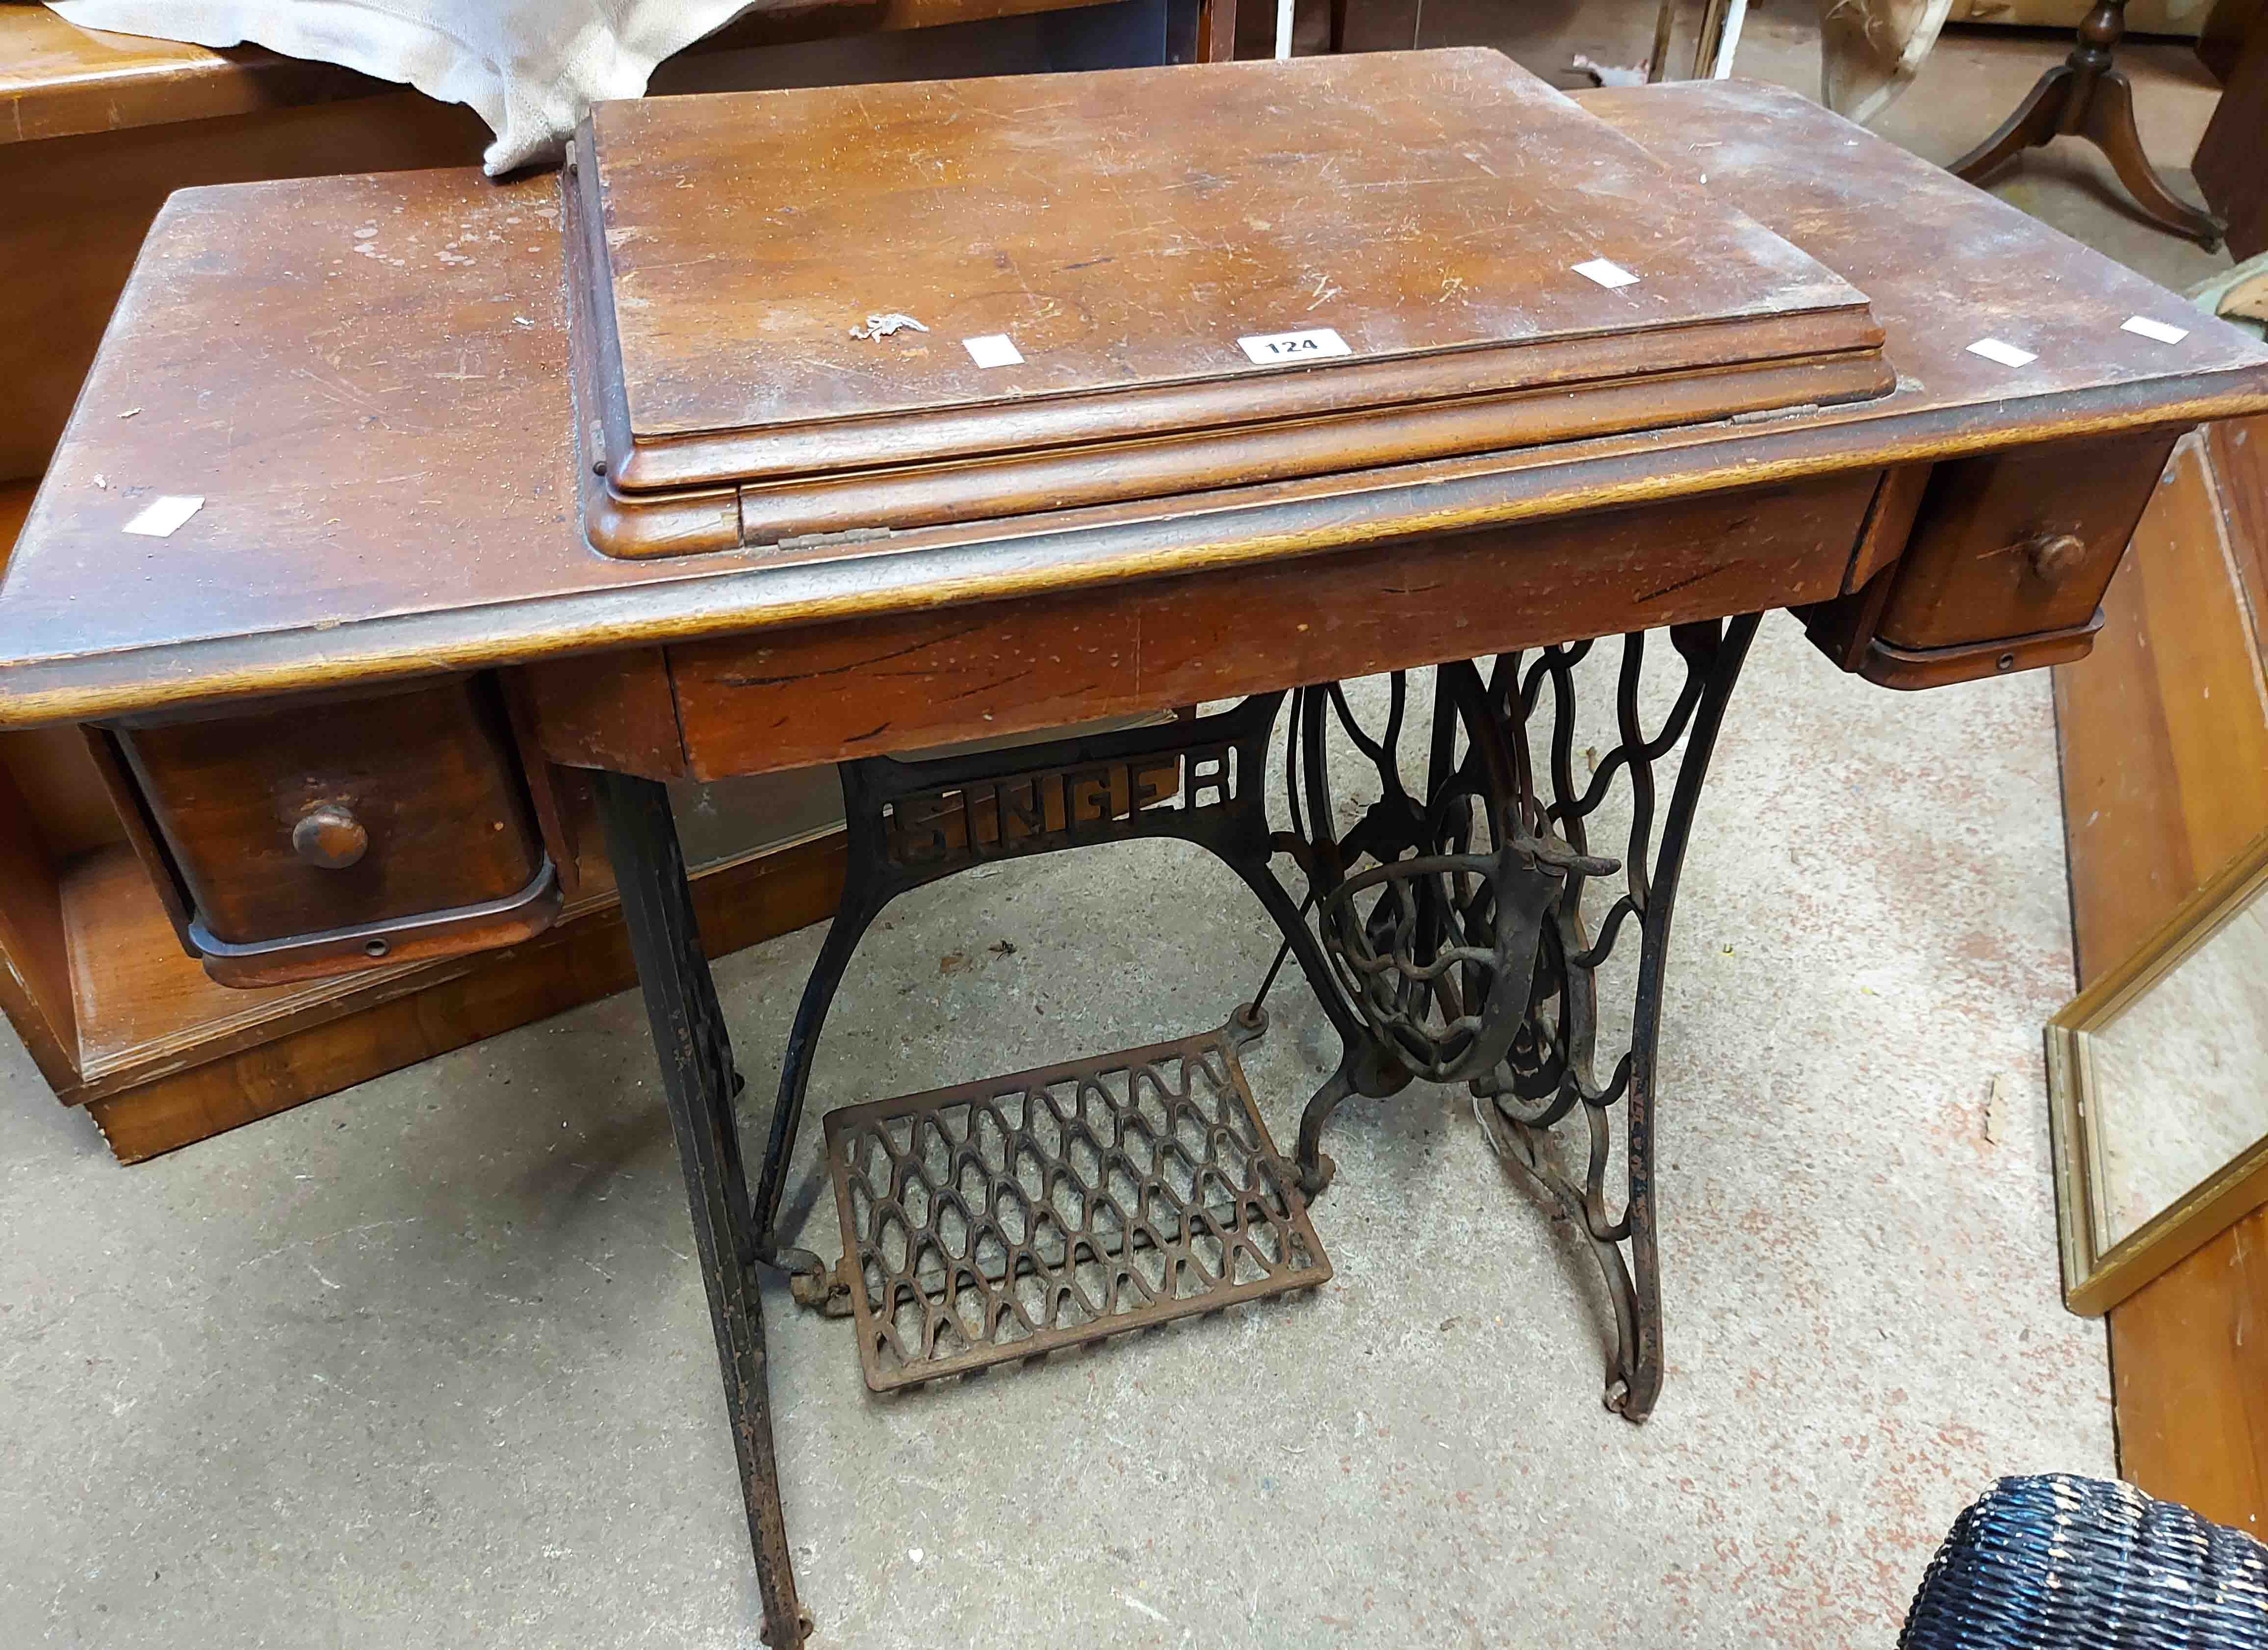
<point>2053,556</point>
<point>330,836</point>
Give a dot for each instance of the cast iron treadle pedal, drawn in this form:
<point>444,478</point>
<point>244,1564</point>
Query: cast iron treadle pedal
<point>1002,1218</point>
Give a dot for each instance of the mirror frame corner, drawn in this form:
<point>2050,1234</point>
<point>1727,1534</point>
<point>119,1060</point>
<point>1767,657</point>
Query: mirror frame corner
<point>2097,1276</point>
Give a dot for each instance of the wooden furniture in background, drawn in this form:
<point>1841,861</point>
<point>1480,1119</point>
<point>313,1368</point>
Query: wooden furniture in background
<point>2163,730</point>
<point>2221,41</point>
<point>2085,96</point>
<point>2227,162</point>
<point>2189,1361</point>
<point>2164,739</point>
<point>2143,17</point>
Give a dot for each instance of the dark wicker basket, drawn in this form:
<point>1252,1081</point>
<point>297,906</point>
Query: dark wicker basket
<point>2076,1563</point>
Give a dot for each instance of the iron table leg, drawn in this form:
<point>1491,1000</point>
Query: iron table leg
<point>697,1083</point>
<point>1458,929</point>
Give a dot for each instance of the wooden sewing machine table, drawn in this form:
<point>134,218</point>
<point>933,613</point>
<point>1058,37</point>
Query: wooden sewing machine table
<point>360,535</point>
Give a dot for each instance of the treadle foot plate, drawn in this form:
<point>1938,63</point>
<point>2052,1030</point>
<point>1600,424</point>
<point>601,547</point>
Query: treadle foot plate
<point>1005,1218</point>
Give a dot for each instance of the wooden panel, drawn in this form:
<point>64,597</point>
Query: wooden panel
<point>145,1006</point>
<point>15,505</point>
<point>1216,31</point>
<point>2021,543</point>
<point>61,789</point>
<point>2165,766</point>
<point>1889,523</point>
<point>586,956</point>
<point>2238,448</point>
<point>62,792</point>
<point>895,684</point>
<point>2164,733</point>
<point>2189,1359</point>
<point>2227,163</point>
<point>425,779</point>
<point>616,710</point>
<point>35,982</point>
<point>2220,42</point>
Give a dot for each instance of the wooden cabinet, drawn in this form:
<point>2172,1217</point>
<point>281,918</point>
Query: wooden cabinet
<point>2227,161</point>
<point>2164,737</point>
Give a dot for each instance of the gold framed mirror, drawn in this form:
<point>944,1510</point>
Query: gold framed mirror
<point>2157,1091</point>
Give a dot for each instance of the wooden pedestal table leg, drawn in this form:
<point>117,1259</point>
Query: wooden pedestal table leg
<point>2037,120</point>
<point>697,1083</point>
<point>2084,96</point>
<point>2109,126</point>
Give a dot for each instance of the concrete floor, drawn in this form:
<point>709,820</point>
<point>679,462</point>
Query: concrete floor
<point>426,1364</point>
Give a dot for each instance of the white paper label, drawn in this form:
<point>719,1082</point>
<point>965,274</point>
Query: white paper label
<point>2156,329</point>
<point>2006,354</point>
<point>161,516</point>
<point>1314,344</point>
<point>1607,273</point>
<point>994,348</point>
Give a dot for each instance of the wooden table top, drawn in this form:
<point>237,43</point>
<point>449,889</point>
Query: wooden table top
<point>366,381</point>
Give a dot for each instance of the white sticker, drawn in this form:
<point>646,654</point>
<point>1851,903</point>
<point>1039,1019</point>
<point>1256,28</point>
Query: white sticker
<point>994,348</point>
<point>2006,354</point>
<point>161,516</point>
<point>1607,273</point>
<point>1314,344</point>
<point>2156,329</point>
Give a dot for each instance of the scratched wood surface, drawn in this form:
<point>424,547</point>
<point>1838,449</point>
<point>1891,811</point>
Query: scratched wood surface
<point>1125,230</point>
<point>379,424</point>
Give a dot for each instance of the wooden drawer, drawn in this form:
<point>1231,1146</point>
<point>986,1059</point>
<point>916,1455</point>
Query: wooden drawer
<point>2013,548</point>
<point>327,835</point>
<point>897,683</point>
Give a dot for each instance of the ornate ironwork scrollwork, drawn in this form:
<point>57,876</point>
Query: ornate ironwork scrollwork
<point>1445,929</point>
<point>1455,923</point>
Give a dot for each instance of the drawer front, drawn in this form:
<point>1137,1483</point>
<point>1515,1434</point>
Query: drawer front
<point>344,814</point>
<point>898,683</point>
<point>2018,545</point>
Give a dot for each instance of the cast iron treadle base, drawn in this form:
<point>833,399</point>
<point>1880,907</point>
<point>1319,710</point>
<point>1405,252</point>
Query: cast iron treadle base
<point>1005,1218</point>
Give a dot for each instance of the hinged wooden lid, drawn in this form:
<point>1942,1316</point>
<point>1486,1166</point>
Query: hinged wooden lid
<point>871,307</point>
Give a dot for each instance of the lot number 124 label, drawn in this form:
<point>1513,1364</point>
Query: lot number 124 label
<point>1275,348</point>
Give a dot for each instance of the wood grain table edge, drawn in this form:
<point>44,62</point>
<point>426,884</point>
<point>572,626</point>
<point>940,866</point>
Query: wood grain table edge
<point>708,602</point>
